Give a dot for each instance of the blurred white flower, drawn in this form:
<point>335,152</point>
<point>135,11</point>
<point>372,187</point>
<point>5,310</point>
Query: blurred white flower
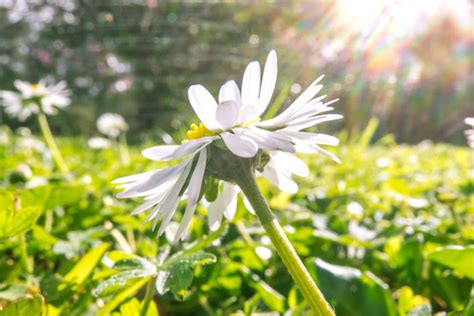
<point>36,182</point>
<point>32,143</point>
<point>111,124</point>
<point>361,232</point>
<point>234,123</point>
<point>4,135</point>
<point>33,98</point>
<point>470,132</point>
<point>98,143</point>
<point>355,209</point>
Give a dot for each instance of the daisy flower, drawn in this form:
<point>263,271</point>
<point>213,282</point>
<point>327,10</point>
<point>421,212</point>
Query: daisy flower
<point>232,125</point>
<point>470,132</point>
<point>111,124</point>
<point>33,98</point>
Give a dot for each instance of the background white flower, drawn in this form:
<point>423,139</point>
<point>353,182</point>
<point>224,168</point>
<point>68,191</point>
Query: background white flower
<point>235,122</point>
<point>470,132</point>
<point>98,143</point>
<point>30,99</point>
<point>111,124</point>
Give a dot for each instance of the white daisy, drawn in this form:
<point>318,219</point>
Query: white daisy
<point>232,124</point>
<point>111,124</point>
<point>31,98</point>
<point>470,132</point>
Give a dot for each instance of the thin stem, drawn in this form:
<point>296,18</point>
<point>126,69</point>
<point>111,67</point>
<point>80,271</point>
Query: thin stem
<point>150,291</point>
<point>24,255</point>
<point>48,221</point>
<point>285,250</point>
<point>48,137</point>
<point>123,149</point>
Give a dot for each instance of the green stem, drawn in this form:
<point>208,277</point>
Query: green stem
<point>150,291</point>
<point>48,137</point>
<point>123,149</point>
<point>24,255</point>
<point>285,250</point>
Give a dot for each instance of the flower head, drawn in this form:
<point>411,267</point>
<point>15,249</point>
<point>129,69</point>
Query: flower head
<point>232,128</point>
<point>470,132</point>
<point>33,98</point>
<point>111,124</point>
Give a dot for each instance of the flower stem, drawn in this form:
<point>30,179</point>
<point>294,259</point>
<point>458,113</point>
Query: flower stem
<point>123,149</point>
<point>285,250</point>
<point>150,290</point>
<point>25,262</point>
<point>48,137</point>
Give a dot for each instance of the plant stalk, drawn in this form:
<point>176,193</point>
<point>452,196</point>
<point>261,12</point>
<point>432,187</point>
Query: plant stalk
<point>25,262</point>
<point>150,291</point>
<point>285,250</point>
<point>123,149</point>
<point>48,137</point>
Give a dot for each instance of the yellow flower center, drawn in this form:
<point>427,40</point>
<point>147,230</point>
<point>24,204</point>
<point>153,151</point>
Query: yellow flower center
<point>196,132</point>
<point>35,87</point>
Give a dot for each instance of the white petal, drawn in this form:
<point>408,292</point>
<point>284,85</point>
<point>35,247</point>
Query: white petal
<point>268,140</point>
<point>469,121</point>
<point>225,204</point>
<point>280,179</point>
<point>135,177</point>
<point>24,87</point>
<point>240,145</point>
<point>196,179</point>
<point>162,177</point>
<point>291,163</point>
<point>247,204</point>
<point>248,113</point>
<point>230,91</point>
<point>185,221</point>
<point>296,106</point>
<point>251,84</point>
<point>268,81</point>
<point>311,138</point>
<point>204,105</point>
<point>149,203</point>
<point>327,154</point>
<point>171,201</point>
<point>227,114</point>
<point>312,121</point>
<point>229,193</point>
<point>172,152</point>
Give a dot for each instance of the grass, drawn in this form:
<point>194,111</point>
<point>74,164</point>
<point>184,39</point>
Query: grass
<point>386,232</point>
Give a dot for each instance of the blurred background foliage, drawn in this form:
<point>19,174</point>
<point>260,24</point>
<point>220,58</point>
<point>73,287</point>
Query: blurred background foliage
<point>407,63</point>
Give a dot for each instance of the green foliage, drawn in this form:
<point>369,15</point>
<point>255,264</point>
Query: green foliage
<point>456,257</point>
<point>359,293</point>
<point>27,306</point>
<point>16,223</point>
<point>385,232</point>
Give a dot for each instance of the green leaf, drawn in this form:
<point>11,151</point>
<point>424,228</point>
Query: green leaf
<point>176,274</point>
<point>83,269</point>
<point>270,296</point>
<point>17,223</point>
<point>455,257</point>
<point>121,278</point>
<point>23,307</point>
<point>65,195</point>
<point>13,292</point>
<point>356,292</point>
<point>122,296</point>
